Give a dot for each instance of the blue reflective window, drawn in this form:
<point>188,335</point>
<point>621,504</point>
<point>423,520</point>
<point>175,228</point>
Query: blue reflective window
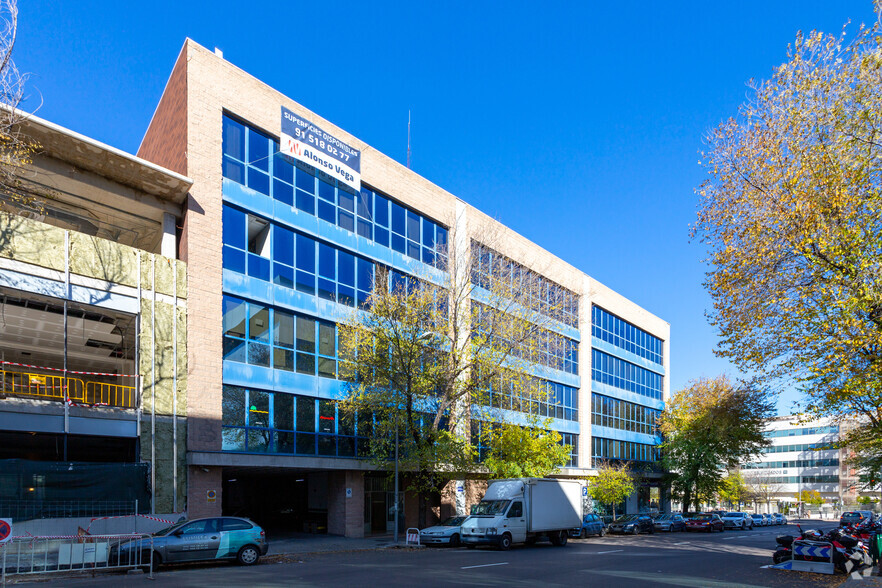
<point>305,181</point>
<point>283,245</point>
<point>381,210</point>
<point>305,202</point>
<point>259,181</point>
<point>234,139</point>
<point>252,158</point>
<point>283,192</point>
<point>305,253</point>
<point>258,150</point>
<point>282,167</point>
<point>346,268</point>
<point>413,226</point>
<point>234,227</point>
<point>398,219</point>
<point>428,233</point>
<point>326,191</point>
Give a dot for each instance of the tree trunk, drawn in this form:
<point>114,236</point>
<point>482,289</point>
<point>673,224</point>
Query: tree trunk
<point>687,498</point>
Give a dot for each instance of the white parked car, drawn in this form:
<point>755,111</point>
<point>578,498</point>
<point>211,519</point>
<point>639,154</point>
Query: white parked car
<point>447,532</point>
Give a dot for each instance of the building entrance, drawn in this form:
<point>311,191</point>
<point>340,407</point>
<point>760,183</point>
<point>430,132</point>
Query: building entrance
<point>379,499</point>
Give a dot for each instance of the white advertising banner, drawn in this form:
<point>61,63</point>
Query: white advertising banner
<point>303,141</point>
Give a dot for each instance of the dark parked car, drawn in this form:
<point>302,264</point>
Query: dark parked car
<point>592,524</point>
<point>855,517</point>
<point>669,523</point>
<point>705,522</point>
<point>632,524</point>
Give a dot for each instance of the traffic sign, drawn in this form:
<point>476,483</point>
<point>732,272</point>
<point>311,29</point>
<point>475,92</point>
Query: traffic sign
<point>5,530</point>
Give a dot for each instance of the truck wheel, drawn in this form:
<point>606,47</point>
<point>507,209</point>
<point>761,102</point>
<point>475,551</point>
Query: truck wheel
<point>559,538</point>
<point>505,542</point>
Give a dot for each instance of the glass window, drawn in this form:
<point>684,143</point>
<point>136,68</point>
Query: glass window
<point>381,211</point>
<point>327,339</point>
<point>258,150</point>
<point>258,322</point>
<point>305,334</point>
<point>305,254</point>
<point>283,329</point>
<point>234,317</point>
<point>305,414</point>
<point>327,416</point>
<point>282,168</point>
<point>283,246</point>
<point>258,409</point>
<point>326,191</point>
<point>234,139</point>
<point>327,261</point>
<point>233,406</point>
<point>234,227</point>
<point>398,219</point>
<point>413,226</point>
<point>346,268</point>
<point>283,411</point>
<point>365,198</point>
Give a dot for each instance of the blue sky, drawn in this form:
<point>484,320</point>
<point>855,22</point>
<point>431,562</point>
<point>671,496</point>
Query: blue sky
<point>577,124</point>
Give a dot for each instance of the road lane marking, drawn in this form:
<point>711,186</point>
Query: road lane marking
<point>612,551</point>
<point>504,563</point>
<point>681,543</point>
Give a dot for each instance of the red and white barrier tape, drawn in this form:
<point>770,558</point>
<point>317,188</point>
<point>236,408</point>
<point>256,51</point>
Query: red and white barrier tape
<point>143,516</point>
<point>40,367</point>
<point>122,535</point>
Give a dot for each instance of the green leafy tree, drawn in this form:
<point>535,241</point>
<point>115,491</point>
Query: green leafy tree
<point>613,483</point>
<point>708,427</point>
<point>733,489</point>
<point>530,451</point>
<point>792,217</point>
<point>422,355</point>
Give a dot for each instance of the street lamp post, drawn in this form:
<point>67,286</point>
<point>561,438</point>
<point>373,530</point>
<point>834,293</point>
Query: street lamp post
<point>395,506</point>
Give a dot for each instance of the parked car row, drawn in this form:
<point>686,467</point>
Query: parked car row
<point>450,532</point>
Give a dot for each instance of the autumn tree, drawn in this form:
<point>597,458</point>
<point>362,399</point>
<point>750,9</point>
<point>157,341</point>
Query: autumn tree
<point>430,357</point>
<point>711,426</point>
<point>791,215</point>
<point>810,497</point>
<point>613,483</point>
<point>524,451</point>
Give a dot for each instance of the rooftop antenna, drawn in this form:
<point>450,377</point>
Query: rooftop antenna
<point>408,139</point>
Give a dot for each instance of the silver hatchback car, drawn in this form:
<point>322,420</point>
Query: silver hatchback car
<point>225,538</point>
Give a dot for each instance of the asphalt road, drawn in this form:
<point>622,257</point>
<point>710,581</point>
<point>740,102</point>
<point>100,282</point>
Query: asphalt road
<point>732,559</point>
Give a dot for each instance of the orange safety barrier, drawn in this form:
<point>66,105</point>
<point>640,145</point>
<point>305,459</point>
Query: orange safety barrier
<point>52,387</point>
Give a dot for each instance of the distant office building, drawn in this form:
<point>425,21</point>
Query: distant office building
<point>803,456</point>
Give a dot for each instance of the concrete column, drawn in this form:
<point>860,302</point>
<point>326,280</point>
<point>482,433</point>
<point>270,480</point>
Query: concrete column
<point>346,504</point>
<point>168,247</point>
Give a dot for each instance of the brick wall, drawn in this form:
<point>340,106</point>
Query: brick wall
<point>200,482</point>
<point>165,142</point>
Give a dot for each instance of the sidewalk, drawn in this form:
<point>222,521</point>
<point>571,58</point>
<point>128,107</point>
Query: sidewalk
<point>289,543</point>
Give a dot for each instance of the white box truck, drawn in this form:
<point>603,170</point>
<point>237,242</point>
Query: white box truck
<point>524,510</point>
